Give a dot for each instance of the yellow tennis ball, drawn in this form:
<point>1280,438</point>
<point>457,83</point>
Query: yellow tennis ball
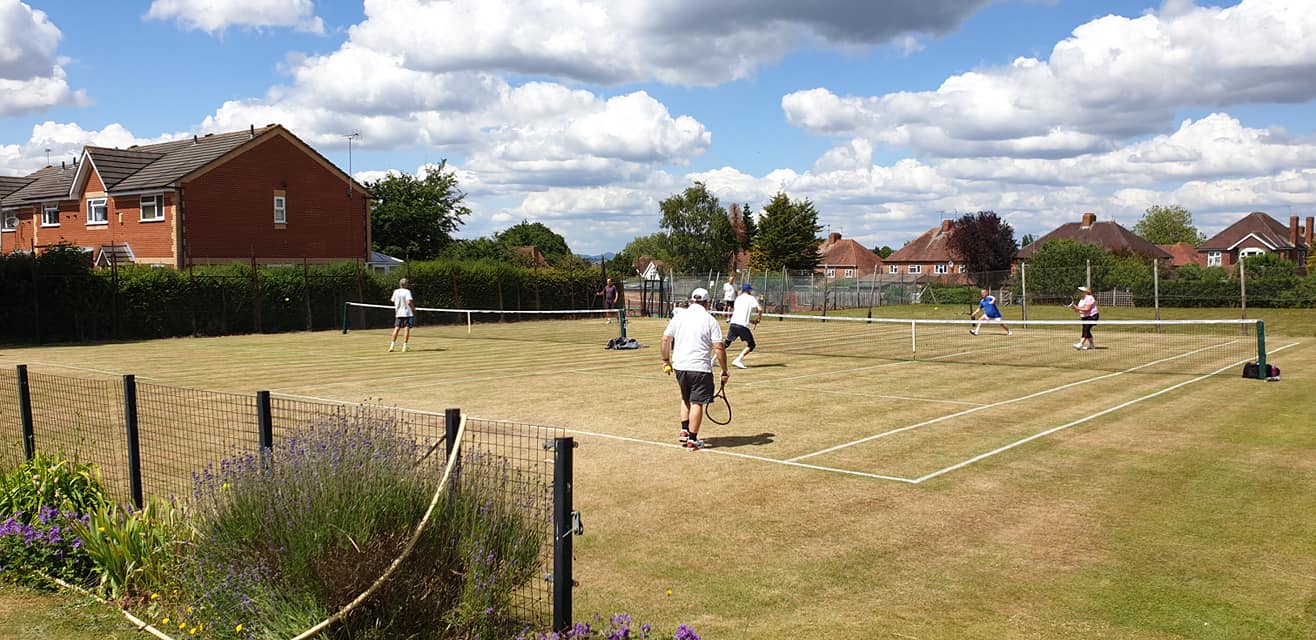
<point>936,308</point>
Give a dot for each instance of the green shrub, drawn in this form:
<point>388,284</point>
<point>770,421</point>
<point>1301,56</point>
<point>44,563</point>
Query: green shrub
<point>41,502</point>
<point>50,481</point>
<point>286,539</point>
<point>133,550</point>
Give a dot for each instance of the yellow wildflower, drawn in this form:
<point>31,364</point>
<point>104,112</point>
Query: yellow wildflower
<point>165,621</point>
<point>238,628</point>
<point>154,596</point>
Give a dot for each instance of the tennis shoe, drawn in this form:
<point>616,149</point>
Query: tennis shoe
<point>404,348</point>
<point>390,349</point>
<point>1078,345</point>
<point>685,436</point>
<point>738,364</point>
<point>695,445</point>
<point>1009,333</point>
<point>974,332</point>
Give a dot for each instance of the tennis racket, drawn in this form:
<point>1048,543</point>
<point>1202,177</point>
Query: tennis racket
<point>719,410</point>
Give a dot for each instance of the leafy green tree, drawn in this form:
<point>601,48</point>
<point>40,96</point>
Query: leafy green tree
<point>1026,240</point>
<point>536,234</point>
<point>1168,225</point>
<point>698,230</point>
<point>656,246</point>
<point>475,249</point>
<point>415,218</point>
<point>1267,266</point>
<point>884,251</point>
<point>984,244</point>
<point>787,235</point>
<point>1125,272</point>
<point>1060,265</point>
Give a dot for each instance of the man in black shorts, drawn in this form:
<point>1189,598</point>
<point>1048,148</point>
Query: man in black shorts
<point>690,341</point>
<point>610,295</point>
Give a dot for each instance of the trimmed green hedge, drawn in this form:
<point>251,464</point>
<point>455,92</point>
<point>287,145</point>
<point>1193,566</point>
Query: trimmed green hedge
<point>59,297</point>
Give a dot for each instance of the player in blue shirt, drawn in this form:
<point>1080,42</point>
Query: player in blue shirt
<point>987,307</point>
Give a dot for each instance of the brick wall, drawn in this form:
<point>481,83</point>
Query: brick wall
<point>228,211</point>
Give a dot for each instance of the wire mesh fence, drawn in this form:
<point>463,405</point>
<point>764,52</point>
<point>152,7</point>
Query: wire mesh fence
<point>1122,282</point>
<point>181,432</point>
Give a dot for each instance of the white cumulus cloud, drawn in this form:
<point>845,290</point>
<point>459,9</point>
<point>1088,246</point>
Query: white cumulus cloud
<point>32,78</point>
<point>214,16</point>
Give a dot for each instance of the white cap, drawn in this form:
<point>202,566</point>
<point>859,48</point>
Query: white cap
<point>1085,290</point>
<point>699,295</point>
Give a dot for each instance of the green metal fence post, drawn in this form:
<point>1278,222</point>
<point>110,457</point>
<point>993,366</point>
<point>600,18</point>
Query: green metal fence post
<point>1261,350</point>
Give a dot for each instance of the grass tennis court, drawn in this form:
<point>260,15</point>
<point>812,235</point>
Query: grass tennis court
<point>996,487</point>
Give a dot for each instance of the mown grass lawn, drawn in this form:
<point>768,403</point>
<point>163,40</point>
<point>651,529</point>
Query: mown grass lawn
<point>27,613</point>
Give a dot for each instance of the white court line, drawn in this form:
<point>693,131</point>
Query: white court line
<point>1001,403</point>
<point>1094,416</point>
<point>745,456</point>
<point>117,374</point>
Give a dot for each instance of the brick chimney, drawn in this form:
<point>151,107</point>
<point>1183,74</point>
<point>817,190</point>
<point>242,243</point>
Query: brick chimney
<point>946,225</point>
<point>1089,219</point>
<point>833,237</point>
<point>1311,220</point>
<point>1293,231</point>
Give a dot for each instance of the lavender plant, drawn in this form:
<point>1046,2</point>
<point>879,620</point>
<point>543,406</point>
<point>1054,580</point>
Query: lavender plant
<point>286,538</point>
<point>617,627</point>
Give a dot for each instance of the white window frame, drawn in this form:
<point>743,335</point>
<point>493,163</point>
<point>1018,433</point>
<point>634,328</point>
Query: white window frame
<point>915,269</point>
<point>101,204</point>
<point>50,215</point>
<point>1249,252</point>
<point>10,222</point>
<point>960,269</point>
<point>830,272</point>
<point>158,201</point>
<point>941,269</point>
<point>280,209</point>
<point>1214,258</point>
<point>849,273</point>
<point>893,268</point>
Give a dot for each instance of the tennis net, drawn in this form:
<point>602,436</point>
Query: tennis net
<point>1166,346</point>
<point>569,326</point>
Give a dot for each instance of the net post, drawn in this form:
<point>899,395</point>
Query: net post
<point>621,320</point>
<point>346,305</point>
<point>1261,350</point>
<point>562,533</point>
<point>25,410</point>
<point>468,323</point>
<point>134,447</point>
<point>913,336</point>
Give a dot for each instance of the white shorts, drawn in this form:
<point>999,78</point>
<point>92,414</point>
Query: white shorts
<point>990,319</point>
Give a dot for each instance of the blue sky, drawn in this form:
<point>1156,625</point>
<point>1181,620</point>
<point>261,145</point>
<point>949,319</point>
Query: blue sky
<point>584,114</point>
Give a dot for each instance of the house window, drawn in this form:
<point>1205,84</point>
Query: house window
<point>831,273</point>
<point>10,222</point>
<point>941,269</point>
<point>152,208</point>
<point>849,273</point>
<point>280,209</point>
<point>893,268</point>
<point>97,213</point>
<point>916,268</point>
<point>1248,253</point>
<point>1213,258</point>
<point>50,215</point>
<point>960,269</point>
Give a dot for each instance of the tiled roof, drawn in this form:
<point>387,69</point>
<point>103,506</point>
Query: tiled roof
<point>844,252</point>
<point>181,157</point>
<point>1182,253</point>
<point>1105,234</point>
<point>114,165</point>
<point>10,184</point>
<point>1266,228</point>
<point>50,183</point>
<point>932,246</point>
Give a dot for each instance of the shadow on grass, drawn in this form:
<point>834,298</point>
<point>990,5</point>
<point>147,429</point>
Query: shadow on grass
<point>722,442</point>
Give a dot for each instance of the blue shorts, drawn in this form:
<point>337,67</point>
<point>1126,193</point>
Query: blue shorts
<point>404,321</point>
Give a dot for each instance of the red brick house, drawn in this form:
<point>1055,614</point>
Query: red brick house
<point>1257,233</point>
<point>1182,253</point>
<point>844,258</point>
<point>260,194</point>
<point>1108,235</point>
<point>926,255</point>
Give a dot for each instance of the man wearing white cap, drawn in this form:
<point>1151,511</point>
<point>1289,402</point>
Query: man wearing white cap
<point>1088,313</point>
<point>690,341</point>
